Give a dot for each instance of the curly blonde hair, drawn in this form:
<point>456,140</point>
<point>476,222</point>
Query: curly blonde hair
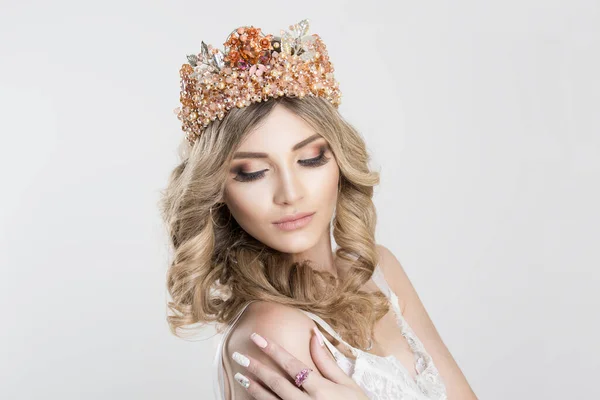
<point>217,267</point>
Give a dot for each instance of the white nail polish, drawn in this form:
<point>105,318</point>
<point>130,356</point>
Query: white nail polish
<point>241,359</point>
<point>242,380</point>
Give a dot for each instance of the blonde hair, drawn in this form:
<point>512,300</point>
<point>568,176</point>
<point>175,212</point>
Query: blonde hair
<point>217,267</point>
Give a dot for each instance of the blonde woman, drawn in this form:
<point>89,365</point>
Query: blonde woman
<point>270,170</point>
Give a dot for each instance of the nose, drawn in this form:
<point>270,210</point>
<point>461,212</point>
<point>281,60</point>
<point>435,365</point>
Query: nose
<point>290,189</point>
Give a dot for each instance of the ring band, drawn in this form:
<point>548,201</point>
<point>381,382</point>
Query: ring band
<point>301,376</point>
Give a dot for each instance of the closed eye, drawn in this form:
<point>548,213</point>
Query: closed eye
<point>321,159</point>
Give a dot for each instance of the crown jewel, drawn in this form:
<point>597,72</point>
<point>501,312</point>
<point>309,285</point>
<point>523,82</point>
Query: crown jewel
<point>252,68</point>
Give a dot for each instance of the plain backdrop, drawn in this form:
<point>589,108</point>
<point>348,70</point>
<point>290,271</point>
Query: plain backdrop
<point>483,118</point>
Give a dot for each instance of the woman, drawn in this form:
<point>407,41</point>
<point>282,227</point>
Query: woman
<point>269,167</point>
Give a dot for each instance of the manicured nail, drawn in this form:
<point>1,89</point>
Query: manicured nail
<point>319,336</point>
<point>241,359</point>
<point>259,340</point>
<point>242,380</point>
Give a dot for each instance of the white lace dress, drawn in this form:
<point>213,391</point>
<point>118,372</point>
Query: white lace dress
<point>381,378</point>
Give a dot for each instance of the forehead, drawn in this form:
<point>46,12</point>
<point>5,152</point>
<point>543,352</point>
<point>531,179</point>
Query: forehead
<point>278,131</point>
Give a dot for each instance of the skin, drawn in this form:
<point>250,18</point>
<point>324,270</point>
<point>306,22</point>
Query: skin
<point>288,183</point>
<point>287,186</point>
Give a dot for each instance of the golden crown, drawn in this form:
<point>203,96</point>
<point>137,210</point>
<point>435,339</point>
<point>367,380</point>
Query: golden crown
<point>252,68</point>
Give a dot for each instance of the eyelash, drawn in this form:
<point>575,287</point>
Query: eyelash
<point>311,162</point>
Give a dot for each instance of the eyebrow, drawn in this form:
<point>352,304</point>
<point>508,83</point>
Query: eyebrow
<point>250,154</point>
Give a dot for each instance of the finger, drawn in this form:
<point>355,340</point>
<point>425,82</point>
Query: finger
<point>324,361</point>
<point>254,388</point>
<point>276,382</point>
<point>290,364</point>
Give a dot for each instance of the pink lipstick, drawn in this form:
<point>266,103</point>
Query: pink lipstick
<point>295,221</point>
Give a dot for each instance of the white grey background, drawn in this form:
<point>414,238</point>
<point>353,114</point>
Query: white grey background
<point>482,117</point>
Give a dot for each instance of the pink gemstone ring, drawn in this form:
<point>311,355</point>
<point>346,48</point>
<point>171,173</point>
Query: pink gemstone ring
<point>301,376</point>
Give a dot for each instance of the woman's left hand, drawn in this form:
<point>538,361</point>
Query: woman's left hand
<point>333,385</point>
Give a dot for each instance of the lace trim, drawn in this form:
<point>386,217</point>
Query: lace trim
<point>385,378</point>
<point>427,379</point>
<point>381,378</point>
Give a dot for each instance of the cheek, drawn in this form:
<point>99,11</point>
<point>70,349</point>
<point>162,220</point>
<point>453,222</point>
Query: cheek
<point>246,205</point>
<point>328,183</point>
<point>322,190</point>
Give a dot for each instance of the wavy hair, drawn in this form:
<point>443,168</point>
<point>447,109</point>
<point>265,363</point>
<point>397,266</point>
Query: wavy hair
<point>217,267</point>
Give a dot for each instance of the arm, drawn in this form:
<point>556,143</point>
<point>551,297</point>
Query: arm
<point>287,326</point>
<point>415,314</point>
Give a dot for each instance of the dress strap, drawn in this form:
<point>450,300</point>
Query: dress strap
<point>423,359</point>
<point>219,380</point>
<point>378,278</point>
<point>380,281</point>
<point>333,333</point>
<point>385,288</point>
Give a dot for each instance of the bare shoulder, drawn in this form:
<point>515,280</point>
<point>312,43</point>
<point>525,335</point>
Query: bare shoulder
<point>287,326</point>
<point>394,275</point>
<point>416,315</point>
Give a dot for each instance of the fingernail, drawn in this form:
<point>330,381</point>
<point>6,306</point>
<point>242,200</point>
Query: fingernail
<point>242,380</point>
<point>259,340</point>
<point>318,336</point>
<point>241,359</point>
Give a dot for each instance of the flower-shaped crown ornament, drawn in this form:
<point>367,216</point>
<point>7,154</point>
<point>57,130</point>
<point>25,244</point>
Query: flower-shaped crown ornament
<point>252,68</point>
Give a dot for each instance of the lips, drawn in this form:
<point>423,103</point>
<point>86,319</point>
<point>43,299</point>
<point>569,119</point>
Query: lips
<point>293,217</point>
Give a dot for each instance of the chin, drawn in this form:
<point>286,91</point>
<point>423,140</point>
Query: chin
<point>296,243</point>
